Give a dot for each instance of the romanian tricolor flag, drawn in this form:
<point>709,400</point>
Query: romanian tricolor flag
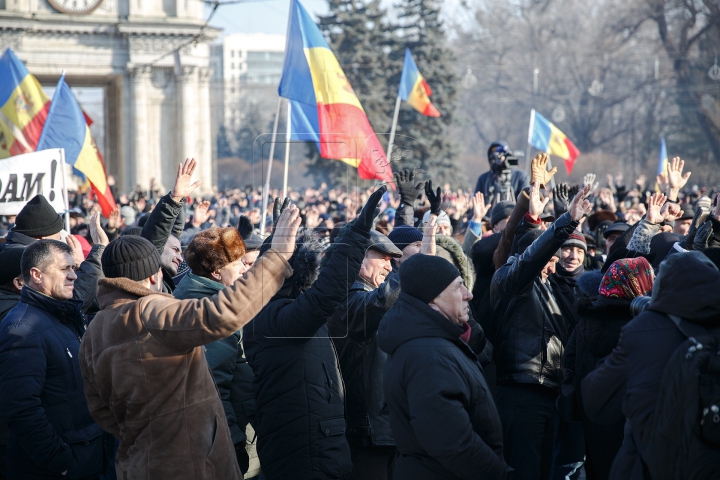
<point>66,127</point>
<point>323,102</point>
<point>23,107</point>
<point>545,136</point>
<point>414,89</point>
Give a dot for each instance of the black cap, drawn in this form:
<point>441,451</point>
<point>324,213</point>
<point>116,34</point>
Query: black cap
<point>38,219</point>
<point>618,227</point>
<point>688,212</point>
<point>132,257</point>
<point>382,244</point>
<point>10,261</point>
<point>501,211</point>
<point>425,277</point>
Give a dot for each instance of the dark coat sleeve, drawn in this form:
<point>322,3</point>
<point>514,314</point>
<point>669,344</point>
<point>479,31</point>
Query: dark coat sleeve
<point>23,364</point>
<point>504,248</point>
<point>518,277</point>
<point>603,389</point>
<point>89,272</point>
<point>366,309</point>
<point>162,222</point>
<point>222,358</point>
<point>405,215</point>
<point>449,438</point>
<point>567,402</point>
<point>300,319</point>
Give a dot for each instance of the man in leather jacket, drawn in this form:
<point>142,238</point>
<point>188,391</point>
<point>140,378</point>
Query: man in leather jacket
<point>353,328</point>
<point>529,337</point>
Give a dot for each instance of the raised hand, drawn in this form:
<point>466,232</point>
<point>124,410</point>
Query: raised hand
<point>285,232</point>
<point>183,186</point>
<point>407,187</point>
<point>654,214</point>
<point>662,181</point>
<point>76,248</point>
<point>702,236</point>
<point>580,205</point>
<point>365,219</point>
<point>98,235</point>
<point>701,216</point>
<point>278,209</point>
<point>561,199</point>
<point>435,198</point>
<point>428,246</point>
<point>114,220</point>
<point>671,211</point>
<point>538,170</point>
<point>536,205</point>
<point>477,203</point>
<point>675,176</point>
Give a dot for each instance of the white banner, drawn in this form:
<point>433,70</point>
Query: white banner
<point>24,176</point>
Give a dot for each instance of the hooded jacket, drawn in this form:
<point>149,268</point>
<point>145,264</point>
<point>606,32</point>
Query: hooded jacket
<point>442,414</point>
<point>41,391</point>
<point>451,250</point>
<point>626,385</point>
<point>299,391</point>
<point>530,331</point>
<point>147,380</point>
<point>226,359</point>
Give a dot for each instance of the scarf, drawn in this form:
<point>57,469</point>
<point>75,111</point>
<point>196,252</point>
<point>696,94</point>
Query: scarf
<point>627,278</point>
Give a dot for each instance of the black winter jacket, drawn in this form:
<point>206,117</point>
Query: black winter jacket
<point>8,300</point>
<point>298,387</point>
<point>626,385</point>
<point>485,183</point>
<point>530,331</point>
<point>442,414</point>
<point>41,391</point>
<point>482,258</point>
<point>353,328</point>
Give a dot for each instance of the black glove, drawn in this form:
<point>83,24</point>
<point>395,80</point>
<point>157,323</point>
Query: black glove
<point>364,221</point>
<point>434,198</point>
<point>699,218</point>
<point>242,457</point>
<point>409,191</point>
<point>702,236</point>
<point>561,199</point>
<point>278,210</point>
<point>572,191</point>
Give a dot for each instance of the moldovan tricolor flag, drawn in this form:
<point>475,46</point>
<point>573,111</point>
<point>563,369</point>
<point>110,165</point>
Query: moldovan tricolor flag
<point>414,89</point>
<point>66,127</point>
<point>23,107</point>
<point>545,136</point>
<point>324,103</point>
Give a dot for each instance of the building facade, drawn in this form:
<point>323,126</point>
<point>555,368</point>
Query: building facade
<point>157,103</point>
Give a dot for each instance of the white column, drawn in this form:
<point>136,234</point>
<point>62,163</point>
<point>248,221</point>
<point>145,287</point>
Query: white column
<point>205,139</point>
<point>193,120</point>
<point>140,168</point>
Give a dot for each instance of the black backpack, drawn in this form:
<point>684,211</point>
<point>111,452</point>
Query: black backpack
<point>684,441</point>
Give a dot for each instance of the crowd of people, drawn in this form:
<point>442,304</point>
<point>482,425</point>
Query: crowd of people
<point>525,330</point>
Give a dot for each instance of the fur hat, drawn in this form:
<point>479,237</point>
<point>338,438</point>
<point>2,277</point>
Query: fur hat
<point>212,249</point>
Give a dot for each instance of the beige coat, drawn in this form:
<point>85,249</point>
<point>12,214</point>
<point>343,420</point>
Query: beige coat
<point>147,381</point>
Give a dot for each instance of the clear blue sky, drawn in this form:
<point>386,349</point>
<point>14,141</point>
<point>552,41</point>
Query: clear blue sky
<point>260,16</point>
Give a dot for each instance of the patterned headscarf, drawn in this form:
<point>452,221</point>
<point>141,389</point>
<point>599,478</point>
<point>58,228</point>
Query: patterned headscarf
<point>627,278</point>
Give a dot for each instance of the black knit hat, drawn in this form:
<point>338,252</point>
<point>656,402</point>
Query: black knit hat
<point>501,211</point>
<point>38,219</point>
<point>10,261</point>
<point>404,235</point>
<point>425,277</point>
<point>132,257</point>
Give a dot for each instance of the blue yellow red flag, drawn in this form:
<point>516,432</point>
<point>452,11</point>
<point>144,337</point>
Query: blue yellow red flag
<point>414,89</point>
<point>323,100</point>
<point>545,136</point>
<point>66,127</point>
<point>23,107</point>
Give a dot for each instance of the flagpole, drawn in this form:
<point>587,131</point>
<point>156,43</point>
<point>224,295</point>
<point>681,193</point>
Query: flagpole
<point>65,194</point>
<point>392,129</point>
<point>266,188</point>
<point>529,145</point>
<point>287,149</point>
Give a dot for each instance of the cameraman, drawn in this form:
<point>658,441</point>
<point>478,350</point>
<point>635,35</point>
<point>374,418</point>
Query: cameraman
<point>502,182</point>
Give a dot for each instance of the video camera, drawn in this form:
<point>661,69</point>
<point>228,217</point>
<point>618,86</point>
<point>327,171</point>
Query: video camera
<point>502,159</point>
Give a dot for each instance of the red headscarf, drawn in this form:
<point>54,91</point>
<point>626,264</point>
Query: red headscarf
<point>628,278</point>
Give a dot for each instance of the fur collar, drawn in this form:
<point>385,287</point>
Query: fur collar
<point>112,290</point>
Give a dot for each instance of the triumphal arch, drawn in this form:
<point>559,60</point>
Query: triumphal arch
<point>157,102</point>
